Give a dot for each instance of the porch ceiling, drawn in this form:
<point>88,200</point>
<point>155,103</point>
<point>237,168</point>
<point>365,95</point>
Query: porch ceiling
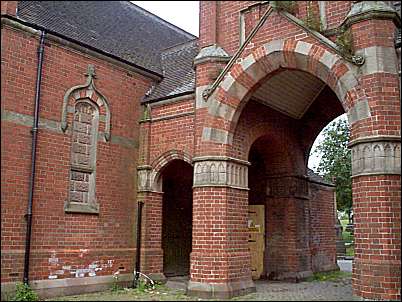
<point>290,92</point>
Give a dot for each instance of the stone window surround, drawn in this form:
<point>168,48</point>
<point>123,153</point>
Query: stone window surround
<point>77,94</point>
<point>91,206</point>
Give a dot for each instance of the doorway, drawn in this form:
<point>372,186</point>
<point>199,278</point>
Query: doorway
<point>177,218</point>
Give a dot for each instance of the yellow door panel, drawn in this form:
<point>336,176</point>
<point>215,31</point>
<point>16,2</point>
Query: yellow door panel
<point>256,228</point>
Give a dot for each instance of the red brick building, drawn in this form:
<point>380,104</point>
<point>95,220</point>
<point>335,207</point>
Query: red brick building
<point>105,107</point>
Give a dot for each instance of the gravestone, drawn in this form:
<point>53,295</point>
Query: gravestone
<point>340,244</point>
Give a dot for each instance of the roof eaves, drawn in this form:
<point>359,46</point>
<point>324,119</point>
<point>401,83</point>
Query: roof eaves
<point>149,100</point>
<point>39,27</point>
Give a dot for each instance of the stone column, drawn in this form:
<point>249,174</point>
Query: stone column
<point>151,227</point>
<point>220,259</point>
<point>375,144</point>
<point>151,195</point>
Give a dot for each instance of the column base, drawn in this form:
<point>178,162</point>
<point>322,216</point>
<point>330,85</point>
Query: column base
<point>378,280</point>
<point>220,290</point>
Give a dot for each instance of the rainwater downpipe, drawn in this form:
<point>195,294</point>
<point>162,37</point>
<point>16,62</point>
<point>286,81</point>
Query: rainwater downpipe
<point>34,132</point>
<point>138,248</point>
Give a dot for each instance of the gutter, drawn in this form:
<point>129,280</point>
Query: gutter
<point>34,132</point>
<point>175,97</point>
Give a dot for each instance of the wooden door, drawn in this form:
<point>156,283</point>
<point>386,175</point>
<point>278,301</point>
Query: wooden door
<point>177,228</point>
<point>256,228</point>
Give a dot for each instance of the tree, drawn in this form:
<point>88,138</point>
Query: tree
<point>336,164</point>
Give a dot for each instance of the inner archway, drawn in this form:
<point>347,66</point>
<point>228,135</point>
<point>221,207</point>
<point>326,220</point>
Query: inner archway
<point>275,131</point>
<point>276,190</point>
<point>177,180</point>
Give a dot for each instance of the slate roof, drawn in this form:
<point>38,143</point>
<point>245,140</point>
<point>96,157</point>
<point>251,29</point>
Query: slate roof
<point>178,72</point>
<point>119,28</point>
<point>318,178</point>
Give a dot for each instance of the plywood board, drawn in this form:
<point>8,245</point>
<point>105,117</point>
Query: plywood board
<point>256,229</point>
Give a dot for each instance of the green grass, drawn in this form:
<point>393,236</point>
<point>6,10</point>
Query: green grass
<point>159,293</point>
<point>329,276</point>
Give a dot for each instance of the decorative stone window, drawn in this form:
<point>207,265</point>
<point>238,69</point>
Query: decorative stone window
<point>83,157</point>
<point>87,108</point>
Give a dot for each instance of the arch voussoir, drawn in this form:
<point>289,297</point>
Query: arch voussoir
<point>252,68</point>
<point>301,55</point>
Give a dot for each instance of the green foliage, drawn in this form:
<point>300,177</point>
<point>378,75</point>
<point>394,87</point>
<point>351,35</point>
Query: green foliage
<point>347,236</point>
<point>329,276</point>
<point>345,42</point>
<point>350,250</point>
<point>23,292</point>
<point>288,6</point>
<point>143,286</point>
<point>336,163</point>
<point>312,20</point>
<point>115,286</point>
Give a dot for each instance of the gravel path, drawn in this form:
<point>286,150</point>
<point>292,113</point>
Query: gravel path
<point>303,291</point>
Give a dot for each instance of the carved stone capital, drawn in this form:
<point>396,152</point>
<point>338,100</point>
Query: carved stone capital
<point>212,53</point>
<point>376,157</point>
<point>365,10</point>
<point>144,178</point>
<point>221,171</point>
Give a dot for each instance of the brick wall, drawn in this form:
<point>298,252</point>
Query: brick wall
<point>65,244</point>
<point>228,21</point>
<point>229,126</point>
<point>172,129</point>
<point>322,227</point>
<point>300,229</point>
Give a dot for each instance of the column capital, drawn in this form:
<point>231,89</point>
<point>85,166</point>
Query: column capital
<point>220,171</point>
<point>211,53</point>
<point>376,155</point>
<point>366,10</point>
<point>146,181</point>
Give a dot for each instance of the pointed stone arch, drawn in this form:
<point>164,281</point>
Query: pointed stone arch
<point>161,162</point>
<point>89,91</point>
<point>244,76</point>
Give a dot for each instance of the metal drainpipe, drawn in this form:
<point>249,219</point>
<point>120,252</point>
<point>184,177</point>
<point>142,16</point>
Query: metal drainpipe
<point>138,248</point>
<point>34,132</point>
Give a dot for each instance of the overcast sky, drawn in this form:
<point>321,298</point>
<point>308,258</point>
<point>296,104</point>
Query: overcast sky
<point>185,14</point>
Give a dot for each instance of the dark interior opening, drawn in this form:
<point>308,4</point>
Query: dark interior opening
<point>177,218</point>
